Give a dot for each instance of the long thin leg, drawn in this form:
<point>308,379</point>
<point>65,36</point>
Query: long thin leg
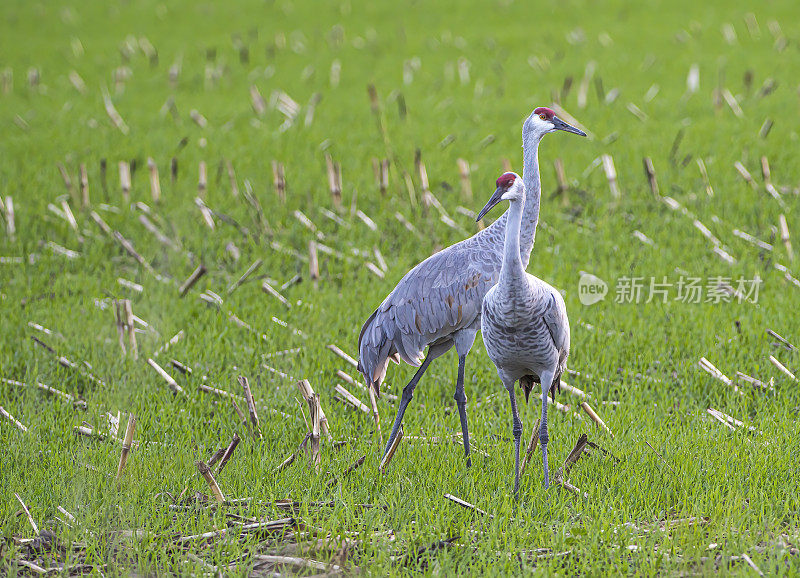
<point>408,393</point>
<point>517,431</point>
<point>547,380</point>
<point>461,402</point>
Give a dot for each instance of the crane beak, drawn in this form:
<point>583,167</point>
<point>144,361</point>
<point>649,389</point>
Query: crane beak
<point>496,198</point>
<point>561,125</point>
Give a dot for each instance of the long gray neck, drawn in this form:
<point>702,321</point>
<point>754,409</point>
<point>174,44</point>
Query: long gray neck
<point>513,269</point>
<point>533,186</point>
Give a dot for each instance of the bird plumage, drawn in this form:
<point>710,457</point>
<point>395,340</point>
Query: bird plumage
<point>391,332</point>
<point>437,305</point>
<point>524,323</point>
<point>437,298</point>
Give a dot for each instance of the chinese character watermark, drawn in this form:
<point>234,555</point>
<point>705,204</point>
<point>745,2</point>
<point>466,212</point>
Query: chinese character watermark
<point>714,289</point>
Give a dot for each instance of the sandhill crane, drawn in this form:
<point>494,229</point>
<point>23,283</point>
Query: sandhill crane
<point>523,321</point>
<point>438,303</point>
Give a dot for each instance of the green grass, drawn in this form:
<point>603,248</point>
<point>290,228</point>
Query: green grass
<point>642,355</point>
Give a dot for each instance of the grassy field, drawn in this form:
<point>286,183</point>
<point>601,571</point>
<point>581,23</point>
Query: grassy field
<point>674,491</point>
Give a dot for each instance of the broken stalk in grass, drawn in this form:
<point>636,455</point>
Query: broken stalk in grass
<point>205,211</point>
<point>534,441</point>
<point>308,392</point>
<point>239,412</point>
<point>115,117</point>
<point>250,270</point>
<point>270,290</point>
<point>226,456</point>
<point>573,390</point>
<point>342,354</point>
<point>215,457</point>
<point>350,399</point>
<point>575,454</point>
<point>334,171</point>
<point>12,419</point>
<point>125,180</point>
<point>729,421</point>
<point>704,173</point>
<point>11,228</point>
<point>279,180</point>
<point>568,486</point>
<point>785,236</point>
<point>155,182</point>
<point>782,368</point>
<point>192,279</point>
<point>127,443</point>
<point>202,179</point>
<point>650,171</point>
<point>251,407</point>
<point>67,364</point>
<point>67,210</point>
<point>611,175</point>
<point>392,449</point>
<point>205,471</point>
<point>781,339</point>
<point>288,461</point>
<point>182,367</point>
<point>755,382</point>
<point>350,468</point>
<point>28,513</point>
<point>78,403</point>
<point>561,179</point>
<point>315,411</point>
<point>65,177</point>
<point>752,564</point>
<point>232,178</point>
<point>128,312</point>
<point>660,456</point>
<point>716,373</point>
<point>313,263</point>
<point>173,385</point>
<point>173,340</point>
<point>467,505</point>
<point>595,418</point>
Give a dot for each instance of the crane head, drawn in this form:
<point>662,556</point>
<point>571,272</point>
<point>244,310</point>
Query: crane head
<point>544,120</point>
<point>509,188</point>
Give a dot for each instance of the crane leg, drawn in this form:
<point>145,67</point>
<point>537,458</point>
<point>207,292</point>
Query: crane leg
<point>517,431</point>
<point>461,402</point>
<point>547,380</point>
<point>408,393</point>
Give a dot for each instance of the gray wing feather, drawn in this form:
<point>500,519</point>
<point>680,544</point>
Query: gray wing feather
<point>555,316</point>
<point>438,297</point>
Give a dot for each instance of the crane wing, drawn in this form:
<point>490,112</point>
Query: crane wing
<point>439,296</point>
<point>555,317</point>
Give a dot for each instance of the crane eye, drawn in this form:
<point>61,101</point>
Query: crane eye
<point>543,116</point>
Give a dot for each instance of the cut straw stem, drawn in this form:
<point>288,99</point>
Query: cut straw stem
<point>392,449</point>
<point>782,368</point>
<point>28,513</point>
<point>12,419</point>
<point>595,418</point>
<point>228,453</point>
<point>251,407</point>
<point>173,385</point>
<point>534,441</point>
<point>192,279</point>
<point>126,444</point>
<point>205,471</point>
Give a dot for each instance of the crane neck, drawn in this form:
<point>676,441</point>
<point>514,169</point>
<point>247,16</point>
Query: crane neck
<point>533,187</point>
<point>513,268</point>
